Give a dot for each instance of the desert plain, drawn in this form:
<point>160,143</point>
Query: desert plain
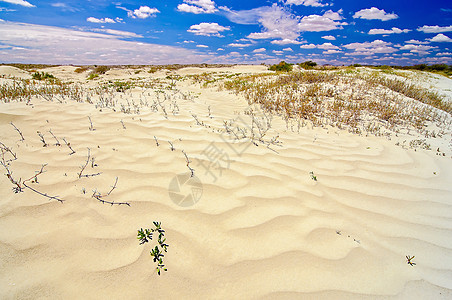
<point>314,184</point>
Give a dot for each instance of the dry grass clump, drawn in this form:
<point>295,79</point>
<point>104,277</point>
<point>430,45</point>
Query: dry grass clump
<point>359,103</point>
<point>412,91</point>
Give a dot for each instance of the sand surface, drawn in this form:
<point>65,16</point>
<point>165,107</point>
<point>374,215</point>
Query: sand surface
<point>262,228</point>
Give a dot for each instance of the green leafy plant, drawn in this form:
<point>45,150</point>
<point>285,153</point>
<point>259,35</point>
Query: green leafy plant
<point>313,177</point>
<point>282,67</point>
<point>145,235</point>
<point>42,76</point>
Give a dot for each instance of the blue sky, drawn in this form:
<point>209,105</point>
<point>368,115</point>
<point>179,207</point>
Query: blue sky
<point>226,31</point>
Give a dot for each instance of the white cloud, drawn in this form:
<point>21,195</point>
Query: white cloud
<point>220,49</point>
<point>327,22</point>
<point>286,42</point>
<point>54,45</point>
<point>208,29</point>
<point>331,51</point>
<point>202,46</point>
<point>369,48</point>
<point>259,50</point>
<point>336,16</point>
<point>288,49</point>
<point>374,13</point>
<point>440,38</point>
<point>237,45</point>
<point>197,6</point>
<point>277,23</point>
<point>416,42</point>
<point>329,37</point>
<point>308,46</point>
<point>386,31</point>
<point>102,20</point>
<point>419,49</point>
<point>64,7</point>
<point>306,2</point>
<point>19,2</point>
<point>143,12</point>
<point>119,33</point>
<point>327,46</point>
<point>434,29</point>
<point>444,54</point>
<point>277,52</point>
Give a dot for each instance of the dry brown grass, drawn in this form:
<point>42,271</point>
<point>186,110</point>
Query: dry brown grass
<point>357,102</point>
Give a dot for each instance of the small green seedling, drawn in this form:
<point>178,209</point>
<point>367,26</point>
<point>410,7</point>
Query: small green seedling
<point>313,177</point>
<point>145,235</point>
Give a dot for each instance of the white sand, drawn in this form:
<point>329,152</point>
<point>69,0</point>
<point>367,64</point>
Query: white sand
<point>262,229</point>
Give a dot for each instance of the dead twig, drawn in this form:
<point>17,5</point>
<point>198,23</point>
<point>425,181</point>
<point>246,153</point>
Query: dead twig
<point>44,194</point>
<point>80,174</point>
<point>41,136</point>
<point>69,146</point>
<point>172,147</point>
<point>157,142</point>
<point>91,128</point>
<point>56,139</point>
<point>20,133</point>
<point>188,164</point>
<point>34,179</point>
<point>100,197</point>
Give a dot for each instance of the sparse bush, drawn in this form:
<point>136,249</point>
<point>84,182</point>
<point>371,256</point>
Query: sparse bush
<point>42,76</point>
<point>101,69</point>
<point>281,67</point>
<point>307,65</point>
<point>81,69</point>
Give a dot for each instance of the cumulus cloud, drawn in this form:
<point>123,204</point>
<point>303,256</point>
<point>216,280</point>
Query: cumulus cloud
<point>208,29</point>
<point>329,37</point>
<point>102,20</point>
<point>288,49</point>
<point>277,22</point>
<point>387,31</point>
<point>315,3</point>
<point>444,54</point>
<point>419,49</point>
<point>315,23</point>
<point>374,13</point>
<point>416,42</point>
<point>369,48</point>
<point>237,45</point>
<point>286,42</point>
<point>202,46</point>
<point>19,2</point>
<point>331,51</point>
<point>259,50</point>
<point>143,12</point>
<point>30,43</point>
<point>327,46</point>
<point>308,46</point>
<point>434,29</point>
<point>197,6</point>
<point>440,38</point>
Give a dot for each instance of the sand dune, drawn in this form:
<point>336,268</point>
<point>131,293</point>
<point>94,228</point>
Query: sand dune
<point>263,228</point>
